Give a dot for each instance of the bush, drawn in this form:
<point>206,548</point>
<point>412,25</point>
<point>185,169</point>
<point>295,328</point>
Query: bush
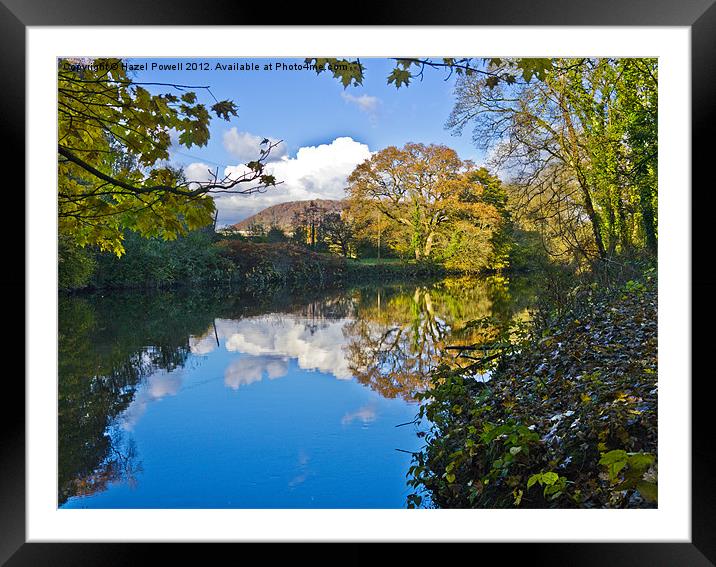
<point>267,265</point>
<point>156,263</point>
<point>75,265</point>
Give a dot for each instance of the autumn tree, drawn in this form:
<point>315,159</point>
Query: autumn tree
<point>114,141</point>
<point>577,138</point>
<point>430,197</point>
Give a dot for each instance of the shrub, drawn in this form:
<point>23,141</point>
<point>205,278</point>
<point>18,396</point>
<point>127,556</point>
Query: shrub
<point>75,265</point>
<point>277,264</point>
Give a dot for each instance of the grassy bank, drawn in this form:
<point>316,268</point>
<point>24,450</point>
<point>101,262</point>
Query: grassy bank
<point>567,419</point>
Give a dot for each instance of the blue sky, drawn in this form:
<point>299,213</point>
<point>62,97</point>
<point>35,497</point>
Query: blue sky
<point>326,129</point>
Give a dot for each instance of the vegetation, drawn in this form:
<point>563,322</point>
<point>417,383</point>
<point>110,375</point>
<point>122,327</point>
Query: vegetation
<point>114,136</point>
<point>576,137</point>
<point>392,269</point>
<point>200,259</point>
<point>581,147</point>
<point>156,263</point>
<point>568,417</point>
<point>434,205</point>
<point>550,407</point>
<point>275,265</point>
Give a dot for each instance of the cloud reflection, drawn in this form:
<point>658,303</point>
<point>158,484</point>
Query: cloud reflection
<point>315,345</point>
<point>247,370</point>
<point>366,414</point>
<point>156,386</point>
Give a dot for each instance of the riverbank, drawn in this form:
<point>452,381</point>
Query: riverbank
<point>200,260</point>
<point>568,417</point>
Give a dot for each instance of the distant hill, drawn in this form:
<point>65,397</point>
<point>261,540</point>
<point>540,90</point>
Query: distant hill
<point>283,214</point>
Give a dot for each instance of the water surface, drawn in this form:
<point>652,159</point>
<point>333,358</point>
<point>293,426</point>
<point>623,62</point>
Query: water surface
<point>220,399</point>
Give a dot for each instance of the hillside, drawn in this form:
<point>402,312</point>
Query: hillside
<point>283,214</point>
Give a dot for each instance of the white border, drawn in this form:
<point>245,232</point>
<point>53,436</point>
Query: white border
<point>671,522</point>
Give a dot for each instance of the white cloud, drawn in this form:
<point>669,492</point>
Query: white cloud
<point>317,172</point>
<point>367,104</point>
<point>247,147</point>
<point>199,171</point>
<point>291,337</point>
<point>204,344</point>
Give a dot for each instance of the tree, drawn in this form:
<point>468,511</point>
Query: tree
<point>337,232</point>
<point>580,145</point>
<point>307,224</point>
<point>114,139</point>
<point>276,234</point>
<point>579,137</point>
<point>425,192</point>
<point>256,229</point>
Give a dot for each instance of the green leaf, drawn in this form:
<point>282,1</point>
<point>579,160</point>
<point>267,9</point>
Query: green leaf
<point>615,461</point>
<point>225,109</point>
<point>617,455</point>
<point>518,496</point>
<point>399,77</point>
<point>648,490</point>
<point>534,479</point>
<point>550,478</point>
<point>640,461</point>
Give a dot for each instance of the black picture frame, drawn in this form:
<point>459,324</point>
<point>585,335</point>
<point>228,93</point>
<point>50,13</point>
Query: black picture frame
<point>698,15</point>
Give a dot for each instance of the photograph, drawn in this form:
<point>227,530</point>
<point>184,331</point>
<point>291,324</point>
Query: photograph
<point>357,282</point>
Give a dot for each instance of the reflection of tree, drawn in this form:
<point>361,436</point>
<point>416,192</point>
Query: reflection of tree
<point>120,464</point>
<point>102,360</point>
<point>399,335</point>
<point>319,313</point>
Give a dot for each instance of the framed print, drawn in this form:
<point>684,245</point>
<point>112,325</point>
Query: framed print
<point>420,277</point>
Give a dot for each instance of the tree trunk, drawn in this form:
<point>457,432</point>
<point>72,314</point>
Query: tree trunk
<point>581,178</point>
<point>647,219</point>
<point>594,219</point>
<point>428,245</point>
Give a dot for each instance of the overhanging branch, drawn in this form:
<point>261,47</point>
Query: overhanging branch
<point>225,186</point>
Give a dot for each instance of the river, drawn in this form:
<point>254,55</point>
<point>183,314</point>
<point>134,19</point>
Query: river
<point>222,399</point>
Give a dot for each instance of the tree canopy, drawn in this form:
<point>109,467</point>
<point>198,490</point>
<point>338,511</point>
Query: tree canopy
<point>575,138</point>
<point>579,145</point>
<point>431,199</point>
<point>114,143</point>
